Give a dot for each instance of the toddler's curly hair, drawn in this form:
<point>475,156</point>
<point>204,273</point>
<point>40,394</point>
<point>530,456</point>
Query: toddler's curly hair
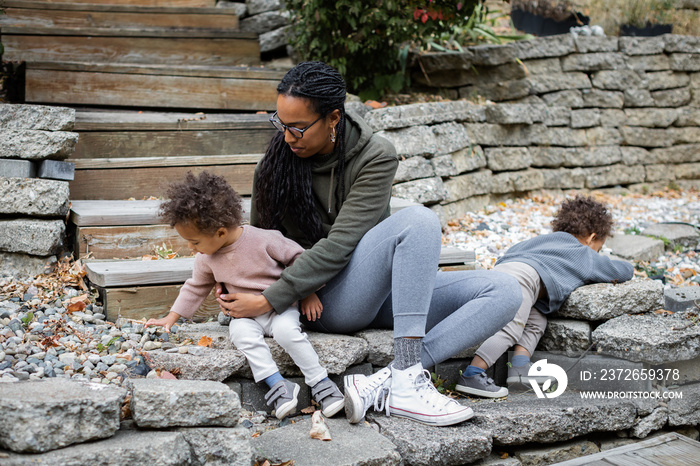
<point>582,216</point>
<point>206,201</point>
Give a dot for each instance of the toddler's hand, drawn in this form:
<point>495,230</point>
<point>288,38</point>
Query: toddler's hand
<point>166,322</point>
<point>311,307</point>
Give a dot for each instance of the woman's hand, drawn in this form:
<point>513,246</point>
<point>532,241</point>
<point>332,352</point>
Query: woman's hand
<point>239,305</point>
<point>311,307</point>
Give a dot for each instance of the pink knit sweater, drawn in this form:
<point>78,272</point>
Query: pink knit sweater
<point>251,264</point>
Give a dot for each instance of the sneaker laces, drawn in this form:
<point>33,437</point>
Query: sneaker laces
<point>429,393</point>
<point>375,393</point>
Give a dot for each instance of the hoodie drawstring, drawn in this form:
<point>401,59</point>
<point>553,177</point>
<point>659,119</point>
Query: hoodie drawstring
<point>330,190</point>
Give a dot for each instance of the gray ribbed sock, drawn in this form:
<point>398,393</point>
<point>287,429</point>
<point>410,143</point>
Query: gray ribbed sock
<point>407,352</point>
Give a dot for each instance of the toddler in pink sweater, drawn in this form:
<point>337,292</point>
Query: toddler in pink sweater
<point>207,212</point>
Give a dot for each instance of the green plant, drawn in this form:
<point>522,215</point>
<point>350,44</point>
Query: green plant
<point>369,43</point>
<point>632,231</point>
<point>27,318</point>
<point>441,384</point>
<point>641,13</point>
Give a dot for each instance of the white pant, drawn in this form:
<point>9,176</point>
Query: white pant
<point>249,336</point>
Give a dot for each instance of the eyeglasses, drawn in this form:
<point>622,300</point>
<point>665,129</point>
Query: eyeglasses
<point>296,132</point>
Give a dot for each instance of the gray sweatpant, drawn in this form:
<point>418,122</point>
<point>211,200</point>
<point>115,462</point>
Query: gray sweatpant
<point>529,324</point>
<point>391,282</point>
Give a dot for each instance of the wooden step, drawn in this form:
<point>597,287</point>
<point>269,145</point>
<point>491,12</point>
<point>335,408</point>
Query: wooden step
<point>142,86</point>
<point>144,3</point>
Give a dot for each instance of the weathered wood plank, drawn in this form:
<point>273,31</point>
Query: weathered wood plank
<point>138,90</point>
<point>126,241</point>
<point>126,144</point>
<point>114,213</point>
<point>146,302</point>
<point>86,120</point>
<point>117,7</point>
<point>144,3</point>
<point>182,161</point>
<point>144,49</point>
<point>183,33</point>
<point>87,19</point>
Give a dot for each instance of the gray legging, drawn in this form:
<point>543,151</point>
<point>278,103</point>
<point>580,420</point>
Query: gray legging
<point>391,282</point>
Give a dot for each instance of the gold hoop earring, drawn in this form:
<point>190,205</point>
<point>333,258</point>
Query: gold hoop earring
<point>333,134</point>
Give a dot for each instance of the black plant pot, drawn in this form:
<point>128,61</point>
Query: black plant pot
<point>541,26</point>
<point>647,31</point>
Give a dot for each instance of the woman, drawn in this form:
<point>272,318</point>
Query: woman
<point>325,181</point>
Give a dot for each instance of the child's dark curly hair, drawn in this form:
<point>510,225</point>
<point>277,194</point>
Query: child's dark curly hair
<point>206,201</point>
<point>582,216</point>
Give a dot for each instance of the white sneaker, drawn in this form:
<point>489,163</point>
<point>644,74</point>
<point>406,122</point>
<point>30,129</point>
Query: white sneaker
<point>361,392</point>
<point>413,396</point>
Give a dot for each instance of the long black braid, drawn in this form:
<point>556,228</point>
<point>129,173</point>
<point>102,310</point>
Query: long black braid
<point>284,180</point>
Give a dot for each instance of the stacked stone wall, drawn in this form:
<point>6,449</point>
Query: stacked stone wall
<point>562,113</point>
<point>33,203</point>
<point>267,18</point>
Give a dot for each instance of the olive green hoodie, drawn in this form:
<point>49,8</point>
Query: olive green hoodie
<point>370,165</point>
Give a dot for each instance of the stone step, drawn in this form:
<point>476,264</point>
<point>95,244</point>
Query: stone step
<point>37,417</point>
<point>677,234</point>
<point>636,247</point>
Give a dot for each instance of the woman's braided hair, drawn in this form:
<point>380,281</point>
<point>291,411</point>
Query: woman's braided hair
<point>284,180</point>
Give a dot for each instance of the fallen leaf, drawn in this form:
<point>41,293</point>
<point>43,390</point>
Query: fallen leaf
<point>308,410</point>
<point>75,307</point>
<point>504,456</point>
<point>205,341</point>
<point>166,375</point>
<point>319,429</point>
<point>148,257</point>
<point>375,104</point>
<point>255,435</point>
<point>662,311</point>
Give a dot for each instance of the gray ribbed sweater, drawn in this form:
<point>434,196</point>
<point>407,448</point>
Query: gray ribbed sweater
<point>565,264</point>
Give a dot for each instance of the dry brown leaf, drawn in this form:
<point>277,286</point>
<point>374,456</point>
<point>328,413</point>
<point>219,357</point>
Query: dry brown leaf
<point>308,410</point>
<point>75,307</point>
<point>662,311</point>
<point>319,429</point>
<point>166,375</point>
<point>148,257</point>
<point>255,435</point>
<point>504,456</point>
<point>205,341</point>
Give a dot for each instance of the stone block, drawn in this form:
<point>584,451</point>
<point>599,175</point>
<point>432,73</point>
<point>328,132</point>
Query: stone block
<point>239,9</point>
<point>37,117</point>
<point>651,338</point>
<point>635,156</point>
<point>638,98</point>
<point>660,172</point>
<point>593,61</point>
<point>544,136</point>
<point>495,459</point>
<point>423,191</point>
<point>509,114</point>
<point>158,403</point>
<point>688,116</point>
<point>498,135</point>
<point>471,76</point>
<point>689,171</point>
<point>492,55</point>
<point>587,44</point>
<point>612,117</point>
<point>542,84</point>
<point>34,197</point>
<point>636,247</point>
<point>632,45</point>
<point>544,47</point>
<point>11,168</point>
<point>650,423</point>
<point>497,91</point>
<point>682,153</point>
<point>613,175</point>
<point>517,181</point>
<point>213,445</point>
<point>458,208</point>
<point>563,178</point>
<point>351,444</point>
<point>252,395</point>
<point>424,114</point>
<point>275,39</point>
<point>559,453</point>
<point>685,61</point>
<point>672,97</point>
<point>682,372</point>
<point>569,337</point>
<point>260,6</point>
<point>468,185</point>
<point>33,144</point>
<point>412,141</point>
<point>602,99</point>
<point>681,298</point>
<point>646,137</point>
<point>31,236</point>
<point>570,98</point>
<point>213,364</point>
<point>126,447</point>
<point>649,63</point>
<point>605,137</point>
<point>37,417</point>
<point>619,80</point>
<point>604,301</point>
<point>543,66</point>
<point>264,22</point>
<point>677,234</point>
<point>450,137</point>
<point>651,117</point>
<point>508,158</point>
<point>23,265</point>
<point>413,168</point>
<point>685,411</point>
<point>381,346</point>
<point>421,444</point>
<point>678,43</point>
<point>666,80</point>
<point>465,160</point>
<point>218,333</point>
<point>556,115</point>
<point>585,118</point>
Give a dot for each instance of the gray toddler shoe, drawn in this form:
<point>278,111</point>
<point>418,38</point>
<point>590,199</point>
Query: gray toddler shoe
<point>480,385</point>
<point>328,396</point>
<point>283,396</point>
